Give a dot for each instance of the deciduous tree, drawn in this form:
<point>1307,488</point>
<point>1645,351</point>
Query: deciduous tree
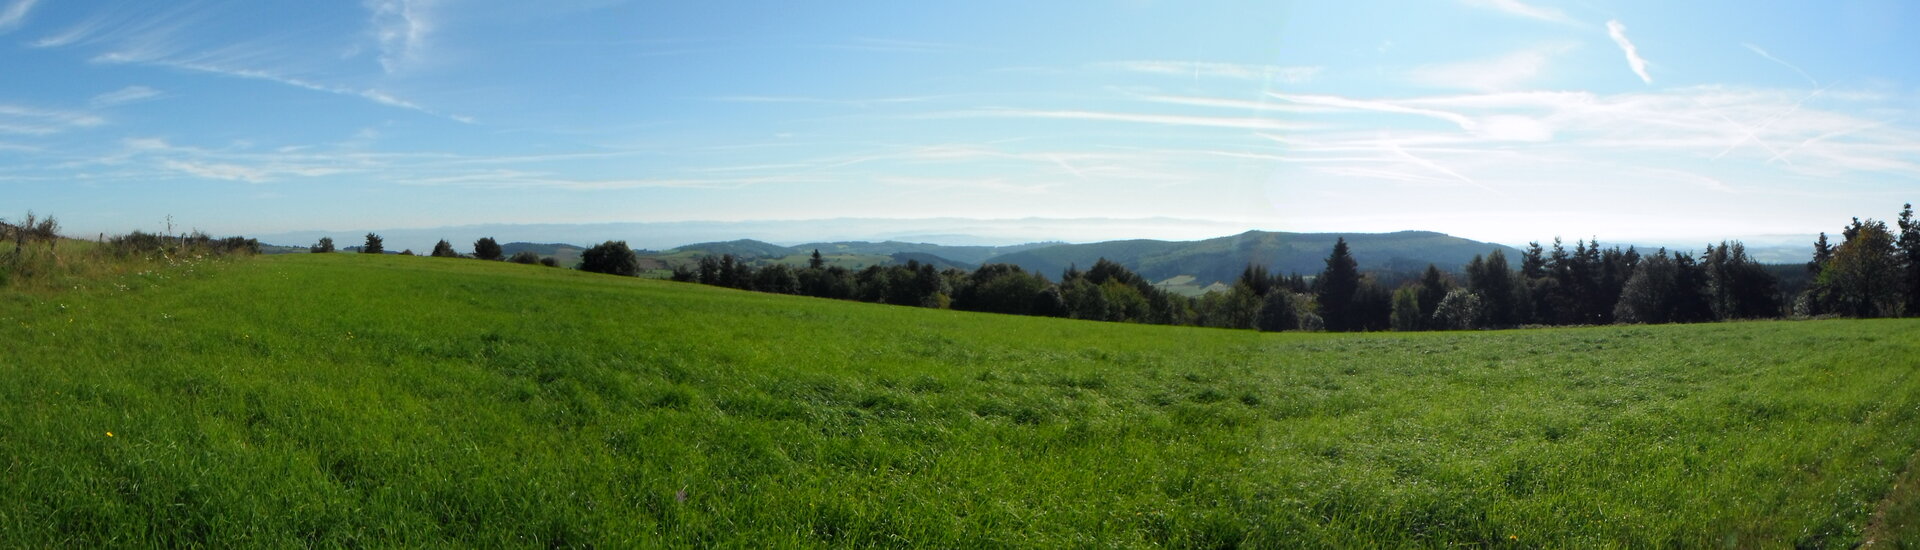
<point>611,257</point>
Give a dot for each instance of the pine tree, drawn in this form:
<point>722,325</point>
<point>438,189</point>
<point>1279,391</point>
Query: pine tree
<point>373,245</point>
<point>1822,253</point>
<point>1434,287</point>
<point>816,262</point>
<point>1492,281</point>
<point>1909,244</point>
<point>1533,262</point>
<point>1336,287</point>
<point>443,249</point>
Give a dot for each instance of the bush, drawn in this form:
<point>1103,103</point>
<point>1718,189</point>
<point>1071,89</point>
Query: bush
<point>443,249</point>
<point>1277,313</point>
<point>549,262</point>
<point>142,243</point>
<point>486,249</point>
<point>611,257</point>
<point>525,257</point>
<point>1459,310</point>
<point>325,245</point>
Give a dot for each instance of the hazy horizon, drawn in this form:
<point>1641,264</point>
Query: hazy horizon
<point>939,231</point>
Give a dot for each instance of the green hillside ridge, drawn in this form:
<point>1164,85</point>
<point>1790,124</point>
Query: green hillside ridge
<point>1208,261</point>
<point>974,255</point>
<point>1223,258</point>
<point>562,253</point>
<point>746,249</point>
<point>363,400</point>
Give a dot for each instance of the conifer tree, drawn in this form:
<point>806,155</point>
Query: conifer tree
<point>1335,289</point>
<point>1909,244</point>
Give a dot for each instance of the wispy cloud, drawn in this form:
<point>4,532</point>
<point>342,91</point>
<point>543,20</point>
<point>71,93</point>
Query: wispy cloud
<point>1687,126</point>
<point>12,15</point>
<point>1770,57</point>
<point>1619,34</point>
<point>1248,123</point>
<point>218,171</point>
<point>17,119</point>
<point>374,95</point>
<point>864,102</point>
<point>990,185</point>
<point>1522,9</point>
<point>165,39</point>
<point>1232,103</point>
<point>1338,102</point>
<point>130,94</point>
<point>515,179</point>
<point>402,28</point>
<point>1401,152</point>
<point>1199,69</point>
<point>1506,72</point>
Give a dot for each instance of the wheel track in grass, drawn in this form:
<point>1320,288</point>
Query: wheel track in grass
<point>1895,522</point>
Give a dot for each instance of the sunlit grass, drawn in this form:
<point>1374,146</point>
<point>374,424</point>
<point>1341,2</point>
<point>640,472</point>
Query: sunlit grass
<point>338,399</point>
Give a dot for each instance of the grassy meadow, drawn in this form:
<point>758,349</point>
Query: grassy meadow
<point>342,399</point>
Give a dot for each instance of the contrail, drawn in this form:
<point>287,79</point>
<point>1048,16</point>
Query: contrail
<point>1763,53</point>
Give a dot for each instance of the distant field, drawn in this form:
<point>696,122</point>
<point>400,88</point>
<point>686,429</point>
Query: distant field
<point>344,399</point>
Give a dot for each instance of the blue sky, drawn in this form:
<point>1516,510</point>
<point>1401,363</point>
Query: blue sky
<point>1502,120</point>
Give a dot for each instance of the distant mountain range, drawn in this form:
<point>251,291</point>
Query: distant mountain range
<point>1223,258</point>
<point>665,235</point>
<point>1203,261</point>
<point>1195,264</point>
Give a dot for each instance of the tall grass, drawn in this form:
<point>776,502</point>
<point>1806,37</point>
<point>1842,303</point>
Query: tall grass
<point>33,255</point>
<point>359,400</point>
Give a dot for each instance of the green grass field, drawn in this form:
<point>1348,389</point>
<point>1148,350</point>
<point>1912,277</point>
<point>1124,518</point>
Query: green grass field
<point>339,399</point>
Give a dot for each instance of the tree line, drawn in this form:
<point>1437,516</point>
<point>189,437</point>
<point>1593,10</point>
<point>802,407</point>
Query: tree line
<point>1873,272</point>
<point>487,248</point>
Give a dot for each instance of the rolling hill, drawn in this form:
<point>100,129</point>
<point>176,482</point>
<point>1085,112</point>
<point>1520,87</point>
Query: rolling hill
<point>1223,258</point>
<point>565,254</point>
<point>973,255</point>
<point>380,400</point>
<point>1206,261</point>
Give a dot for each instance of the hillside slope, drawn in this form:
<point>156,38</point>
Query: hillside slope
<point>1223,258</point>
<point>357,400</point>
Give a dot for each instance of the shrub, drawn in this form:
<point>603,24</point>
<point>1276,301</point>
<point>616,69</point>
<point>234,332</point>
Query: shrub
<point>486,249</point>
<point>1459,310</point>
<point>611,257</point>
<point>549,262</point>
<point>444,249</point>
<point>325,245</point>
<point>525,257</point>
<point>1277,313</point>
